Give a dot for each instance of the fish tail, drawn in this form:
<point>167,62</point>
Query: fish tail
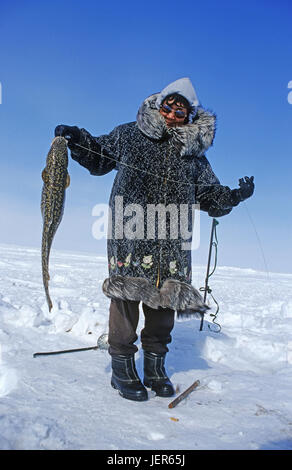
<point>45,270</point>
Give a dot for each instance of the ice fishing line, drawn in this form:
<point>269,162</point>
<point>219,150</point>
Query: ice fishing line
<point>141,169</point>
<point>262,253</point>
<point>207,288</point>
<point>213,243</point>
<point>259,241</point>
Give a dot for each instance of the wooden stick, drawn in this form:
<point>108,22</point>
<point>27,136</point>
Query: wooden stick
<point>184,394</point>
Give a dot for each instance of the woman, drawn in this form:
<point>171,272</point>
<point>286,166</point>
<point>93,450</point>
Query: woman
<point>162,172</point>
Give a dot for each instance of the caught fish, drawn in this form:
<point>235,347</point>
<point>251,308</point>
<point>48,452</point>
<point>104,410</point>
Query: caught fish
<point>56,179</point>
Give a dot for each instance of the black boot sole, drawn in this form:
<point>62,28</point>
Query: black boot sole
<point>169,392</point>
<point>128,396</point>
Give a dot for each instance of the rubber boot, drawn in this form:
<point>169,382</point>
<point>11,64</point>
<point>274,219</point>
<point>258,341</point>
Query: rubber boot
<point>125,378</point>
<point>155,375</point>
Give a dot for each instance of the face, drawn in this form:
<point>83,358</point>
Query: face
<point>174,114</point>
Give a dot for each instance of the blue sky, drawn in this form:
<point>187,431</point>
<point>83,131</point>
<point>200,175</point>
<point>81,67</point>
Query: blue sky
<point>92,63</point>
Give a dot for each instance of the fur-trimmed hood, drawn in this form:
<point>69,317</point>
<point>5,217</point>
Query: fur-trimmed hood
<point>194,138</point>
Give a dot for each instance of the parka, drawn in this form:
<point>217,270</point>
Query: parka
<point>161,174</point>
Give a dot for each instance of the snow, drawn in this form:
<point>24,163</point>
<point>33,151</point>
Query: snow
<point>66,401</point>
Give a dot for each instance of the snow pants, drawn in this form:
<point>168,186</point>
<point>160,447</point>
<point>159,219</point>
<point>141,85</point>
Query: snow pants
<point>123,322</point>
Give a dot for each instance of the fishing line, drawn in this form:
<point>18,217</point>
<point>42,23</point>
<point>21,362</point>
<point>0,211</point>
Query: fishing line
<point>259,242</point>
<point>272,297</point>
<point>188,184</point>
<point>150,173</point>
<point>141,169</point>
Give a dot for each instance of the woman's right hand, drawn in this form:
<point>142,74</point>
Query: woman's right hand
<point>71,133</point>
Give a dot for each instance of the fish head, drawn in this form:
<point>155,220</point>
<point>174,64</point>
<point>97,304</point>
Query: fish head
<point>59,150</point>
<point>60,143</point>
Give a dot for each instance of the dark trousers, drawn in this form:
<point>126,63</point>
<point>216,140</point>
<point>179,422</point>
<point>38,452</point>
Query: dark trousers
<point>123,322</point>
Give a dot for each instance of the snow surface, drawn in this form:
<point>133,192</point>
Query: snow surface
<point>66,401</point>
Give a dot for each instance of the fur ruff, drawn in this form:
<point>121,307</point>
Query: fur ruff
<point>173,294</point>
<point>194,138</point>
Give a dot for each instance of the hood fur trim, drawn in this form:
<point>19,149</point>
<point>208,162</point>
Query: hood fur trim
<point>173,294</point>
<point>193,139</point>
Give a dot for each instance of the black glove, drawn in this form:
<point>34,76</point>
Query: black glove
<point>71,133</point>
<point>246,189</point>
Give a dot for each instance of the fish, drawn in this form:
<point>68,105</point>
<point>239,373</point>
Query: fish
<point>56,180</point>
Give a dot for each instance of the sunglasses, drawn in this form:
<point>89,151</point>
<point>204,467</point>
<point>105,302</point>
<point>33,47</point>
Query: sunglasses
<point>178,113</point>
